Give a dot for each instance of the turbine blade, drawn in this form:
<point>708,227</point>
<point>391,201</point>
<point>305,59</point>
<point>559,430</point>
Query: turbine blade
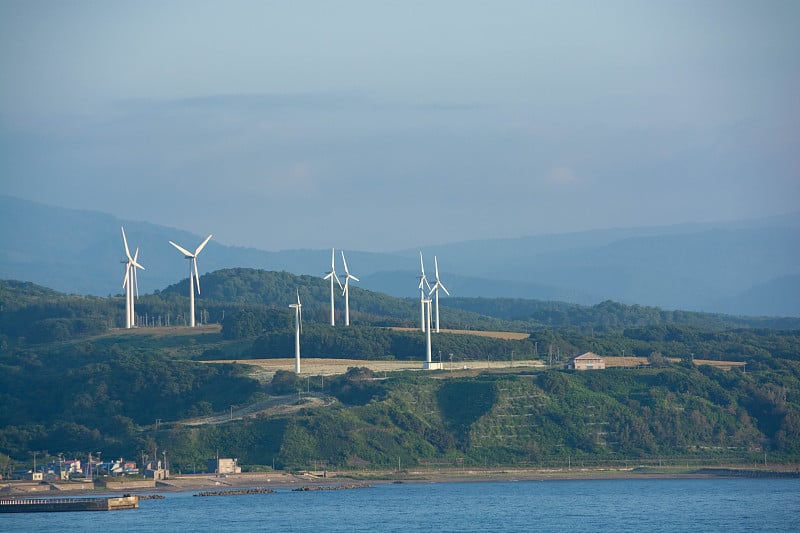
<point>127,273</point>
<point>421,264</point>
<point>297,291</point>
<point>346,284</point>
<point>332,267</point>
<point>434,288</point>
<point>182,250</point>
<point>328,275</point>
<point>337,279</point>
<point>353,277</point>
<point>134,261</point>
<point>203,245</point>
<point>436,266</point>
<point>135,282</point>
<point>444,289</point>
<point>345,263</point>
<point>196,274</point>
<point>125,240</point>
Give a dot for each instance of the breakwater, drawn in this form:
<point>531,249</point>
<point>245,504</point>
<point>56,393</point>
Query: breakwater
<point>235,492</point>
<point>306,488</point>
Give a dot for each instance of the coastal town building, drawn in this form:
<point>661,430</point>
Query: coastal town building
<point>156,470</point>
<point>224,466</point>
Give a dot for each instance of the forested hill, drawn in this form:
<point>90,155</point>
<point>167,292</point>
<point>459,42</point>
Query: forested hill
<point>69,382</point>
<point>260,287</point>
<point>41,315</point>
<point>609,314</point>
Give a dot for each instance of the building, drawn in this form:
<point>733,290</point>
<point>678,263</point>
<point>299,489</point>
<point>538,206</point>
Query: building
<point>155,470</point>
<point>224,466</point>
<point>586,361</point>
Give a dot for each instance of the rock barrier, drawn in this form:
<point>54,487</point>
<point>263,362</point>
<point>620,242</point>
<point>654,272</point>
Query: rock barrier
<point>235,492</point>
<point>308,488</point>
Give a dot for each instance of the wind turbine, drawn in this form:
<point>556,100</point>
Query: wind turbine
<point>423,282</point>
<point>346,290</point>
<point>436,287</point>
<point>298,327</point>
<point>194,276</point>
<point>332,275</point>
<point>130,282</point>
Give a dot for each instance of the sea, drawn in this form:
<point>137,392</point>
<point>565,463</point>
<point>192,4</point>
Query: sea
<point>625,505</point>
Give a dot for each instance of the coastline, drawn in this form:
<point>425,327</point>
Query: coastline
<point>287,480</point>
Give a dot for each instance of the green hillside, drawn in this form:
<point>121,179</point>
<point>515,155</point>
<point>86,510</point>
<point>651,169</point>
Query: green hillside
<point>70,382</point>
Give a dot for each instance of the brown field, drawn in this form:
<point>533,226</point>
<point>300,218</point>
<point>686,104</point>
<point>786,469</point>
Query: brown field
<point>629,362</point>
<point>164,331</point>
<point>505,335</point>
<point>264,369</point>
<point>626,362</point>
<point>723,365</point>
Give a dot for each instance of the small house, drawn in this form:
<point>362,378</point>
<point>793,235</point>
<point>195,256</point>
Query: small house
<point>586,361</point>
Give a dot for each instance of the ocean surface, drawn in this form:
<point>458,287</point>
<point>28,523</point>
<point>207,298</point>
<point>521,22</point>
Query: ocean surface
<point>651,506</point>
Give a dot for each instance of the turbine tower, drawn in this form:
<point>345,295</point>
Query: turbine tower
<point>332,275</point>
<point>436,286</point>
<point>298,327</point>
<point>346,290</point>
<point>194,276</point>
<point>427,303</point>
<point>130,282</point>
<point>423,282</point>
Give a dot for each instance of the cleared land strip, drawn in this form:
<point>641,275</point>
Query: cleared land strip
<point>505,335</point>
<point>266,368</point>
<point>630,362</point>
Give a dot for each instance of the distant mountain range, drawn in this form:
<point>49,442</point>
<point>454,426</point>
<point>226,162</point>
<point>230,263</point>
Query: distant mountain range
<point>742,267</point>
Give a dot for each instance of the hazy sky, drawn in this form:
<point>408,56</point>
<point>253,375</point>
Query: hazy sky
<point>383,125</point>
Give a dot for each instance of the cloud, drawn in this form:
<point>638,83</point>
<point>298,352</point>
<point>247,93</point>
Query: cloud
<point>562,176</point>
<point>295,178</point>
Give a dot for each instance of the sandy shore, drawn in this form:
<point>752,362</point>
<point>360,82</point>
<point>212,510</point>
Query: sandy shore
<point>278,480</point>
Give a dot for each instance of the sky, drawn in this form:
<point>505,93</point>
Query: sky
<point>380,126</point>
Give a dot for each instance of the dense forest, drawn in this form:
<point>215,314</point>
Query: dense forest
<point>71,381</point>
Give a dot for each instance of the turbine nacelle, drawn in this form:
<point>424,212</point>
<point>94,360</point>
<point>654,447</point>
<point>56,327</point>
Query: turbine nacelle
<point>131,281</point>
<point>347,276</point>
<point>193,272</point>
<point>193,258</point>
<point>423,280</point>
<point>438,283</point>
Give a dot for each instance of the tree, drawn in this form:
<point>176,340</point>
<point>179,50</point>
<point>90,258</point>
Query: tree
<point>656,360</point>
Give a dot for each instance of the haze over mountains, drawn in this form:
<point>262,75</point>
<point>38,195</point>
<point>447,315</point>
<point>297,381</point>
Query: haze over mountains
<point>742,267</point>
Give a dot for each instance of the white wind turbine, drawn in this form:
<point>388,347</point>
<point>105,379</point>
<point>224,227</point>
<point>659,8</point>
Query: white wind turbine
<point>346,290</point>
<point>298,327</point>
<point>436,286</point>
<point>332,275</point>
<point>423,282</point>
<point>194,275</point>
<point>130,282</point>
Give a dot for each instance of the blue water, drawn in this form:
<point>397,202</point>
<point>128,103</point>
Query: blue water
<point>654,506</point>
